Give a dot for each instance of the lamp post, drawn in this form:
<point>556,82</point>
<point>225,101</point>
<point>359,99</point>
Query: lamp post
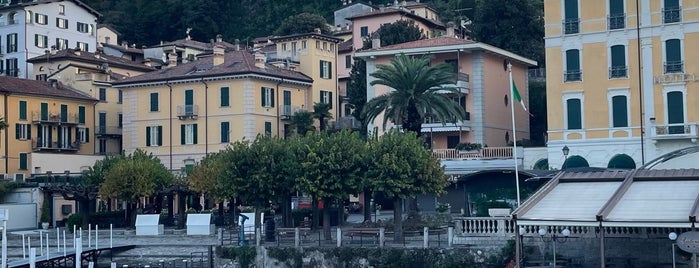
<point>522,231</point>
<point>553,239</point>
<point>673,237</point>
<point>565,150</point>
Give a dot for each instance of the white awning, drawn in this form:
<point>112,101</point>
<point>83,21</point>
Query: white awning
<point>656,201</point>
<point>572,202</point>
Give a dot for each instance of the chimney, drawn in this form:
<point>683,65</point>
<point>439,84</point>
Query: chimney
<point>375,40</point>
<point>125,44</point>
<point>219,38</point>
<point>53,50</point>
<point>317,30</point>
<point>53,83</point>
<point>237,44</point>
<point>76,51</point>
<point>450,29</point>
<point>218,55</point>
<point>171,59</point>
<point>260,59</point>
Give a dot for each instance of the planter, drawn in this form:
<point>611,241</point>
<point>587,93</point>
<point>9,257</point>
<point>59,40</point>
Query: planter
<point>45,225</point>
<point>499,212</point>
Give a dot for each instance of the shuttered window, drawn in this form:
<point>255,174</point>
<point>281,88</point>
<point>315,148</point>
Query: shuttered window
<point>225,98</point>
<point>154,102</point>
<point>22,110</point>
<point>574,114</point>
<point>620,115</point>
<point>225,132</point>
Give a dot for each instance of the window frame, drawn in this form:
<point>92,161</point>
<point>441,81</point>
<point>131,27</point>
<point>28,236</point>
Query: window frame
<point>573,95</point>
<point>154,102</point>
<point>41,19</point>
<point>62,23</point>
<point>618,92</point>
<point>267,97</point>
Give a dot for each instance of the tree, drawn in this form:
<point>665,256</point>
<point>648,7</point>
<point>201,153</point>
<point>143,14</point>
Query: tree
<point>537,104</point>
<point>321,111</point>
<point>302,121</point>
<point>401,167</point>
<point>3,123</point>
<point>516,26</point>
<point>303,23</point>
<point>356,92</point>
<point>418,91</point>
<point>137,175</point>
<point>401,31</point>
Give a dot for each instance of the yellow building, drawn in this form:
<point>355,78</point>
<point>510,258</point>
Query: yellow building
<point>606,98</point>
<point>93,74</point>
<point>42,117</point>
<point>181,113</point>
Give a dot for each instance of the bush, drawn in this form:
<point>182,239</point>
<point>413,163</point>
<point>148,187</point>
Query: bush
<point>244,255</point>
<point>74,220</point>
<point>45,217</point>
<point>376,257</point>
<point>104,218</point>
<point>467,146</point>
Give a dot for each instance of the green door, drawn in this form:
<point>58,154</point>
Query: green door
<point>675,112</point>
<point>189,101</point>
<point>44,111</point>
<point>64,113</point>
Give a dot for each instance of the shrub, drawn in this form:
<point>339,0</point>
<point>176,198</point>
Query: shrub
<point>45,217</point>
<point>244,255</point>
<point>74,220</point>
<point>467,146</point>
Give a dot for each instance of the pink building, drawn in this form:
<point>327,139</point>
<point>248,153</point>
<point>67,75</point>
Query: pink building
<point>483,79</point>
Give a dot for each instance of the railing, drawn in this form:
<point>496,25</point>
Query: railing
<point>107,130</point>
<point>572,75</point>
<point>617,21</point>
<point>40,144</point>
<point>187,111</point>
<point>675,131</point>
<point>672,14</point>
<point>488,152</point>
<point>346,122</point>
<point>288,111</point>
<point>67,118</point>
<point>618,72</point>
<point>571,26</point>
<point>537,73</point>
<point>484,226</point>
<point>673,67</point>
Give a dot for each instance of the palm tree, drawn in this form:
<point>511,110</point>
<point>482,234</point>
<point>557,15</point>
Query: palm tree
<point>321,111</point>
<point>302,121</point>
<point>418,90</point>
<point>3,123</point>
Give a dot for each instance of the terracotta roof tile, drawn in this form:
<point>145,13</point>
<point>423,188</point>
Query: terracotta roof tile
<point>345,46</point>
<point>98,59</point>
<point>124,49</point>
<point>40,88</point>
<point>432,42</point>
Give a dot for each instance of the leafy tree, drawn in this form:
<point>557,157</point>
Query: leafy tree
<point>418,91</point>
<point>303,23</point>
<point>6,187</point>
<point>401,167</point>
<point>321,111</point>
<point>401,31</point>
<point>137,175</point>
<point>537,104</point>
<point>302,121</point>
<point>356,92</point>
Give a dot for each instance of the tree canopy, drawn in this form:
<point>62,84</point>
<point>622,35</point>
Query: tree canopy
<point>137,175</point>
<point>303,23</point>
<point>399,32</point>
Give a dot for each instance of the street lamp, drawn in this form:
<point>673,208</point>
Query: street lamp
<point>566,150</point>
<point>553,239</point>
<point>522,231</point>
<point>673,237</point>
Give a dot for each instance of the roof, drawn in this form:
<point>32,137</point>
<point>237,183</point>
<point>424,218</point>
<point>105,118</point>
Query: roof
<point>402,12</point>
<point>93,58</point>
<point>235,63</point>
<point>345,46</point>
<point>23,3</point>
<point>196,44</point>
<point>124,49</point>
<point>13,85</point>
<point>102,25</point>
<point>438,45</point>
<point>306,35</point>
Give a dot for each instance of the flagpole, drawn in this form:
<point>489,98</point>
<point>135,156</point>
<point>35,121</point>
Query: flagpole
<point>514,133</point>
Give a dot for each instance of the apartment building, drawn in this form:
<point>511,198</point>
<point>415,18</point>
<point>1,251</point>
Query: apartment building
<point>29,28</point>
<point>621,81</point>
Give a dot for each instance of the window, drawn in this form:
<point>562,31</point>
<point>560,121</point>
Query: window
<point>332,47</point>
<point>11,42</point>
<point>326,97</point>
<point>188,134</point>
<point>83,46</point>
<point>61,43</point>
<point>120,120</point>
<point>225,132</point>
<point>268,129</point>
<point>28,16</point>
<point>325,45</point>
<point>23,131</point>
<point>452,141</point>
<point>41,19</point>
<point>22,110</point>
<point>41,41</point>
<point>103,94</point>
<point>64,113</point>
<point>620,116</point>
<point>618,68</point>
<point>616,18</point>
<point>267,97</point>
<point>81,114</point>
<point>11,67</point>
<point>293,49</point>
<point>325,69</point>
<point>673,57</point>
<point>62,23</point>
<point>304,44</point>
<point>571,23</point>
<point>317,44</point>
<point>83,27</point>
<point>120,96</point>
<point>154,102</point>
<point>574,115</point>
<point>454,63</point>
<point>82,134</point>
<point>348,62</point>
<point>102,149</point>
<point>23,161</point>
<point>675,112</point>
<point>283,46</point>
<point>13,18</point>
<point>364,31</point>
<point>572,72</point>
<point>672,12</point>
<point>154,136</point>
<point>225,98</point>
<point>41,77</point>
<point>61,9</point>
<point>44,111</point>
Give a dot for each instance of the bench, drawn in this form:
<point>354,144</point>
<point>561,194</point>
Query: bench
<point>291,232</point>
<point>364,232</point>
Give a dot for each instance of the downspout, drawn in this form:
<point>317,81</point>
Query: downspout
<point>167,83</point>
<point>279,104</point>
<point>206,117</point>
<point>7,139</point>
<point>640,82</point>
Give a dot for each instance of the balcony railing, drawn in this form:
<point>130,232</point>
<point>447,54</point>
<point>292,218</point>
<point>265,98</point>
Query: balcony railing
<point>675,131</point>
<point>187,111</point>
<point>571,26</point>
<point>46,145</point>
<point>485,153</point>
<point>618,72</point>
<point>617,21</point>
<point>54,118</point>
<point>673,67</point>
<point>288,111</point>
<point>346,122</point>
<point>672,14</point>
<point>107,130</point>
<point>572,75</point>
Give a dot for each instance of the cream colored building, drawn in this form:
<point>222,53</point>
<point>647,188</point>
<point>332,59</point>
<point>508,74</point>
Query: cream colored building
<point>608,99</point>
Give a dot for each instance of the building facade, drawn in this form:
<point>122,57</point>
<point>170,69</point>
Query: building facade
<point>43,117</point>
<point>29,28</point>
<point>621,81</point>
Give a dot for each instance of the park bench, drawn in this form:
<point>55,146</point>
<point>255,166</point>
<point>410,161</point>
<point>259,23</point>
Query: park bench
<point>290,233</point>
<point>364,232</point>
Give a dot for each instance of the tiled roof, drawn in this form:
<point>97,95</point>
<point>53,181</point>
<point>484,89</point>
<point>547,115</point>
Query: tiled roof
<point>128,49</point>
<point>405,12</point>
<point>40,88</point>
<point>235,63</point>
<point>89,57</point>
<point>432,42</point>
<point>345,46</point>
<point>15,3</point>
<point>196,44</point>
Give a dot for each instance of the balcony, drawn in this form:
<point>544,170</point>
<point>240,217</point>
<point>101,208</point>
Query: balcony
<point>461,83</point>
<point>485,153</point>
<point>618,72</point>
<point>108,131</point>
<point>346,122</point>
<point>672,14</point>
<point>673,67</point>
<point>434,125</point>
<point>617,21</point>
<point>571,26</point>
<point>572,75</point>
<point>54,118</point>
<point>675,132</point>
<point>55,146</point>
<point>288,111</point>
<point>187,111</point>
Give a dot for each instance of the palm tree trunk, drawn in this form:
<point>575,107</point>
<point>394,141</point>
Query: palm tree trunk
<point>397,220</point>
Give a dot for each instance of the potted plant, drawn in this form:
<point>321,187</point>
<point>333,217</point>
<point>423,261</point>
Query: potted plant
<point>467,147</point>
<point>45,217</point>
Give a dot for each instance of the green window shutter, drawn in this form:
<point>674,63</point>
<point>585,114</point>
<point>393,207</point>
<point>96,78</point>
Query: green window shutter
<point>268,128</point>
<point>22,110</point>
<point>22,161</point>
<point>574,114</point>
<point>120,96</point>
<point>154,102</point>
<point>619,112</point>
<point>182,134</point>
<point>672,50</point>
<point>70,137</point>
<point>348,62</point>
<point>189,97</point>
<point>64,113</point>
<point>571,9</point>
<point>616,7</point>
<point>618,56</point>
<point>321,69</point>
<point>38,132</point>
<point>572,60</point>
<point>160,135</point>
<point>225,131</point>
<point>194,131</point>
<point>29,131</point>
<point>81,114</point>
<point>675,107</point>
<point>77,133</point>
<point>17,129</point>
<point>330,99</point>
<point>671,4</point>
<point>148,142</point>
<point>60,136</point>
<point>225,99</point>
<point>44,111</point>
<point>271,90</point>
<point>330,70</point>
<point>87,135</point>
<point>262,96</point>
<point>287,97</point>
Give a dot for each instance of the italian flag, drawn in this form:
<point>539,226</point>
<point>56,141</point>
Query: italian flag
<point>516,96</point>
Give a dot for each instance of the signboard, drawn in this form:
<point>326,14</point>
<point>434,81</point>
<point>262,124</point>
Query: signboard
<point>689,241</point>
